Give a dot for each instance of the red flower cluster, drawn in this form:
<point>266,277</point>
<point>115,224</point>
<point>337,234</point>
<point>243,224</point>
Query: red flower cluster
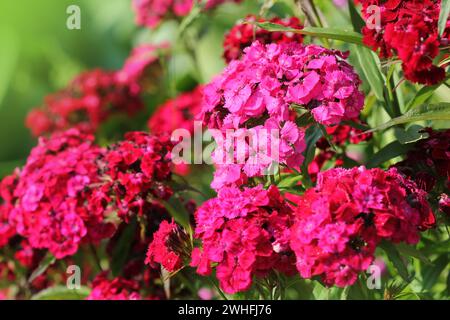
<point>409,29</point>
<point>116,289</point>
<point>89,100</point>
<point>177,113</point>
<point>242,35</point>
<point>245,233</point>
<point>7,199</point>
<point>167,247</point>
<point>428,163</point>
<point>136,172</point>
<point>342,220</point>
<point>51,208</point>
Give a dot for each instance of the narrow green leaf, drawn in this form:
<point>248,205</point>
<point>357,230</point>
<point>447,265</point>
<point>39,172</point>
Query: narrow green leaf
<point>348,36</point>
<point>411,251</point>
<point>388,152</point>
<point>431,274</point>
<point>62,293</point>
<point>443,16</point>
<point>396,259</point>
<point>289,181</point>
<point>438,111</point>
<point>46,262</point>
<point>177,211</point>
<point>357,21</point>
<point>123,247</point>
<point>369,63</point>
<point>411,134</point>
<point>422,96</point>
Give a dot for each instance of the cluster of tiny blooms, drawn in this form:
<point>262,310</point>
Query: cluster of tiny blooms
<point>150,13</point>
<point>89,100</point>
<point>409,29</point>
<point>242,35</point>
<point>339,136</point>
<point>167,247</point>
<point>135,173</point>
<point>7,200</point>
<point>115,289</point>
<point>340,222</point>
<point>244,233</point>
<point>177,113</point>
<point>51,208</point>
<point>428,164</point>
<point>258,90</point>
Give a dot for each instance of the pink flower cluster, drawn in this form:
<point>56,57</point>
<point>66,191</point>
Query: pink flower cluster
<point>167,247</point>
<point>7,200</point>
<point>141,67</point>
<point>409,29</point>
<point>135,174</point>
<point>257,92</point>
<point>150,13</point>
<point>242,35</point>
<point>177,113</point>
<point>115,289</point>
<point>89,100</point>
<point>51,208</point>
<point>245,233</point>
<point>340,222</point>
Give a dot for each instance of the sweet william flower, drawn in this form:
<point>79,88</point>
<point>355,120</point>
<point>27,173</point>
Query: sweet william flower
<point>341,221</point>
<point>244,233</point>
<point>409,29</point>
<point>242,35</point>
<point>254,95</point>
<point>116,289</point>
<point>51,210</point>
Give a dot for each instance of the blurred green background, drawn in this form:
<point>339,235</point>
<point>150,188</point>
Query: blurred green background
<point>39,55</point>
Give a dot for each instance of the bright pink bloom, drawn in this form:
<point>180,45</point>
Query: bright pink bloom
<point>51,209</point>
<point>244,233</point>
<point>341,221</point>
<point>115,289</point>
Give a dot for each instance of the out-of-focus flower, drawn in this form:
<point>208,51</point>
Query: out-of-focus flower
<point>243,34</point>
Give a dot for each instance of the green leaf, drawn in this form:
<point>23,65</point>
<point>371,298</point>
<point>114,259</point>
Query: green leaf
<point>62,293</point>
<point>396,259</point>
<point>357,22</point>
<point>177,210</point>
<point>409,135</point>
<point>313,134</point>
<point>443,16</point>
<point>289,181</point>
<point>369,63</point>
<point>189,19</point>
<point>411,251</point>
<point>438,111</point>
<point>431,275</point>
<point>388,152</point>
<point>46,262</point>
<point>422,96</point>
<point>348,36</point>
<point>123,247</point>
